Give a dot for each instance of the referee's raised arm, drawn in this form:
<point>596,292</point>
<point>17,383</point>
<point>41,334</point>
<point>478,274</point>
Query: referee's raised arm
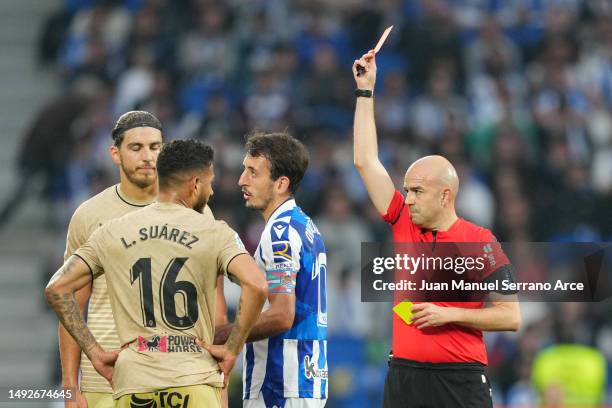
<point>365,150</point>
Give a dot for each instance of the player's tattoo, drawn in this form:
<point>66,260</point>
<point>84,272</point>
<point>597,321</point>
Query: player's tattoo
<point>238,335</point>
<point>66,270</point>
<point>67,309</point>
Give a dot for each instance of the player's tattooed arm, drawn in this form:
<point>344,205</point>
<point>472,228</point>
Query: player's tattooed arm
<point>244,272</point>
<point>238,335</point>
<point>73,275</point>
<point>69,314</point>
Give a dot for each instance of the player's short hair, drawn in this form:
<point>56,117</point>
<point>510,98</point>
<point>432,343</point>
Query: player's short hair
<point>133,119</point>
<point>287,156</point>
<point>181,156</point>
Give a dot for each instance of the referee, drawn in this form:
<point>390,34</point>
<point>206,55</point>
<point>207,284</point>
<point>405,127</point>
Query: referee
<point>437,361</point>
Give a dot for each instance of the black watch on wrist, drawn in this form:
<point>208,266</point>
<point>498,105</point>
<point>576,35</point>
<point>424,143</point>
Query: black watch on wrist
<point>366,93</point>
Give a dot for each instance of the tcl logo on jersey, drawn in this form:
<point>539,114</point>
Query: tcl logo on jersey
<point>166,400</point>
<point>136,402</point>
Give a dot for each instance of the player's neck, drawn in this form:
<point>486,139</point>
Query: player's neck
<point>446,221</point>
<point>137,195</point>
<point>273,206</point>
<point>173,197</point>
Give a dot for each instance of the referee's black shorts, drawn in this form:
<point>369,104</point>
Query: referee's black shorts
<point>411,384</point>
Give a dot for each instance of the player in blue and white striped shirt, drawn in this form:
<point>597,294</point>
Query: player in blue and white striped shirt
<point>285,364</point>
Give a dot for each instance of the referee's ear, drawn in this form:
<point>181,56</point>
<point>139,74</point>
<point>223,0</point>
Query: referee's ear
<point>447,197</point>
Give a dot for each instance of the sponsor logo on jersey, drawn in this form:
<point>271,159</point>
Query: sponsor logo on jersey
<point>153,344</point>
<point>168,344</point>
<point>172,399</point>
<point>282,266</point>
<point>280,231</point>
<point>166,400</point>
<point>311,370</point>
<point>137,402</point>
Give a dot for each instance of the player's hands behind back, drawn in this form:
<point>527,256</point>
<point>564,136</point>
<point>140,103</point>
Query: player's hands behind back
<point>368,78</point>
<point>104,362</point>
<point>225,358</point>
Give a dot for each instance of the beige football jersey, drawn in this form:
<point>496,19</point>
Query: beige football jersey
<point>161,265</point>
<point>90,215</point>
<point>93,213</point>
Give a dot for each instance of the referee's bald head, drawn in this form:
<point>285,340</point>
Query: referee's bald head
<point>434,169</point>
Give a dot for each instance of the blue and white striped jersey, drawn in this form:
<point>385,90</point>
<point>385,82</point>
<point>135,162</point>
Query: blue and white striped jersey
<point>292,364</point>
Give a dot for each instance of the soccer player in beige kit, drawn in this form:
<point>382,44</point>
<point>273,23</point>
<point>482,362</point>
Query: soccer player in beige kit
<point>137,139</point>
<point>161,265</point>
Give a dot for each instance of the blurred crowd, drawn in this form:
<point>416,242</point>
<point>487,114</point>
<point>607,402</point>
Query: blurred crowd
<point>516,93</point>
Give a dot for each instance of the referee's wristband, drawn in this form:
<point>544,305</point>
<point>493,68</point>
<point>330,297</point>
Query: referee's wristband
<point>366,93</point>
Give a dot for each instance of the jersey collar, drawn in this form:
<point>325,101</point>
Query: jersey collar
<point>118,191</point>
<point>285,206</point>
<point>449,232</point>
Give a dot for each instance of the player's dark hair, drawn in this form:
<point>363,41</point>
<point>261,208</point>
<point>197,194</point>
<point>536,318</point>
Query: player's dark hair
<point>181,156</point>
<point>133,119</point>
<point>287,156</point>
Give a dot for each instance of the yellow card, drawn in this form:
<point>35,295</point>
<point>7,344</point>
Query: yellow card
<point>404,311</point>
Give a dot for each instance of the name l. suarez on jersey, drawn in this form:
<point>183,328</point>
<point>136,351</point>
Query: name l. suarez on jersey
<point>176,235</point>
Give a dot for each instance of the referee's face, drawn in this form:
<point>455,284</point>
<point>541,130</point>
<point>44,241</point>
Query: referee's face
<point>423,200</point>
<point>256,183</point>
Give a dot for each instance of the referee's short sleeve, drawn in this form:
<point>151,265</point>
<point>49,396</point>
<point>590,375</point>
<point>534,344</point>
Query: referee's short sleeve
<point>395,208</point>
<point>493,253</point>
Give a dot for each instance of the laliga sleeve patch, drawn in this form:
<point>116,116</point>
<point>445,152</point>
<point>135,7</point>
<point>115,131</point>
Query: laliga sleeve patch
<point>281,279</point>
<point>281,251</point>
